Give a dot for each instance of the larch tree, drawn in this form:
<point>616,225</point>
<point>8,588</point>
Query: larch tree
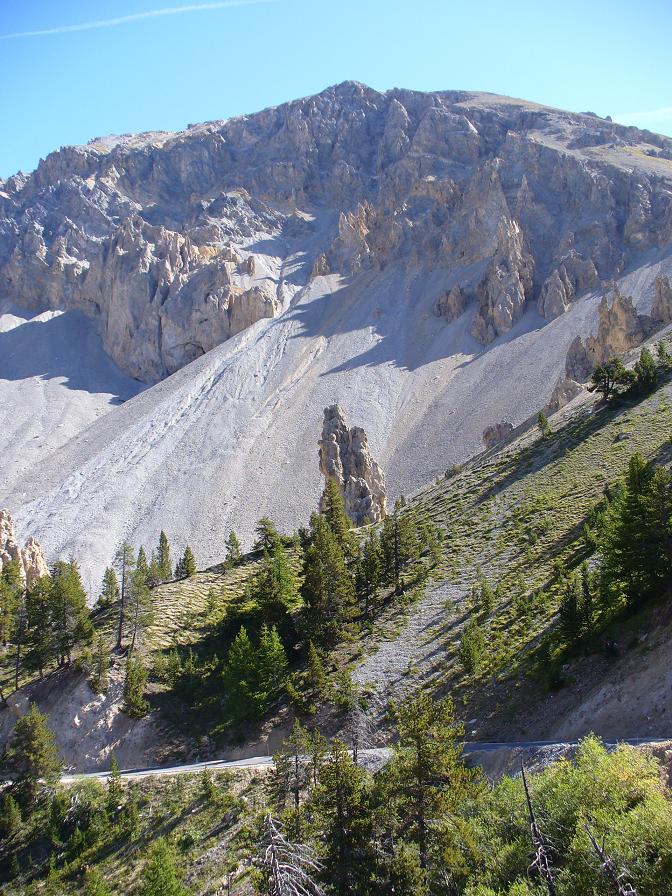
<point>126,563</point>
<point>163,558</point>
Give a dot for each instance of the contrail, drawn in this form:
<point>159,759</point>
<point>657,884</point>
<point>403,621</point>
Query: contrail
<point>133,17</point>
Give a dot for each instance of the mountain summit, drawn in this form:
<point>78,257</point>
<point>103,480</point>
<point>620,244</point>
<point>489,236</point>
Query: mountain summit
<point>424,260</point>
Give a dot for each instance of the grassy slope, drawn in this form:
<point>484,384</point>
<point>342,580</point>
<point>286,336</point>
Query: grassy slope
<point>513,514</point>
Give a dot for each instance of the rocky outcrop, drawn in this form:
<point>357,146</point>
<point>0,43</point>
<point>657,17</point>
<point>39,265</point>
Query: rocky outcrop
<point>450,305</point>
<point>661,308</point>
<point>497,434</point>
<point>565,391</point>
<point>506,286</point>
<point>173,243</point>
<point>32,564</point>
<point>619,329</point>
<point>345,458</point>
<point>558,291</point>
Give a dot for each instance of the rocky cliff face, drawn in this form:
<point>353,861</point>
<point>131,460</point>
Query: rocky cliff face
<point>32,564</point>
<point>345,458</point>
<point>620,328</point>
<point>172,243</point>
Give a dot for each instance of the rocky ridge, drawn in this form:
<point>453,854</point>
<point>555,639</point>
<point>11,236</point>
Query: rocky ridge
<point>173,243</point>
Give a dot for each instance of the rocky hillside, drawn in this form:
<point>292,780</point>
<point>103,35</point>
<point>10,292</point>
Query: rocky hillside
<point>426,261</point>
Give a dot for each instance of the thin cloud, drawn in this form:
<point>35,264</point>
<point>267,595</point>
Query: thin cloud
<point>133,17</point>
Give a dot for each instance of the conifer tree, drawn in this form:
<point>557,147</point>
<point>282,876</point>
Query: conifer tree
<point>328,588</point>
<point>11,588</point>
<point>271,663</point>
<point>126,562</point>
<point>100,673</point>
<point>233,550</point>
<point>240,675</point>
<point>332,506</point>
<point>341,806</point>
<point>94,883</point>
<point>32,757</point>
<point>186,566</point>
<point>163,558</point>
<point>115,790</point>
<point>369,571</point>
<point>153,572</point>
<point>160,876</point>
<point>134,687</point>
<point>10,816</point>
<point>544,425</point>
<point>571,609</point>
<point>110,591</point>
<point>646,371</point>
<point>426,782</point>
<point>268,537</point>
<point>472,646</point>
<point>69,613</point>
<point>275,587</point>
<point>316,674</point>
<point>38,631</point>
<point>140,609</point>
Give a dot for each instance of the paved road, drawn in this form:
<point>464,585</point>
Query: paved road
<point>377,753</point>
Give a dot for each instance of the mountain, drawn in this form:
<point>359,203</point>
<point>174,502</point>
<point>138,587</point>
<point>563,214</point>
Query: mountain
<point>426,261</point>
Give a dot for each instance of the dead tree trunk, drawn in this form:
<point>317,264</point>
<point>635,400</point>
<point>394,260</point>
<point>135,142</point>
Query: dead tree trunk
<point>541,861</point>
<point>608,868</point>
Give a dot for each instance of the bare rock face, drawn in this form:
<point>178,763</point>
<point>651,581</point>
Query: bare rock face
<point>661,309</point>
<point>497,434</point>
<point>565,391</point>
<point>506,286</point>
<point>150,235</point>
<point>450,305</point>
<point>558,291</point>
<point>620,328</point>
<point>345,457</point>
<point>32,565</point>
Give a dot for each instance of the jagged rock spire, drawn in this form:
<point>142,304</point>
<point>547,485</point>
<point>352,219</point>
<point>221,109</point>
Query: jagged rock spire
<point>32,564</point>
<point>345,458</point>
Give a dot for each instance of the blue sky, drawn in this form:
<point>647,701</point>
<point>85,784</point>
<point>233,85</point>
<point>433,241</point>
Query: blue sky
<point>161,69</point>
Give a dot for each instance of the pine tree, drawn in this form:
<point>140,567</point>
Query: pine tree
<point>272,665</point>
<point>110,591</point>
<point>233,550</point>
<point>328,588</point>
<point>134,687</point>
<point>275,588</point>
<point>10,816</point>
<point>332,506</point>
<point>100,674</point>
<point>316,674</point>
<point>39,631</point>
<point>646,371</point>
<point>70,617</point>
<point>664,357</point>
<point>186,566</point>
<point>32,757</point>
<point>126,561</point>
<point>544,425</point>
<point>94,883</point>
<point>400,545</point>
<point>115,790</point>
<point>160,876</point>
<point>163,558</point>
<point>426,782</point>
<point>141,565</point>
<point>240,675</point>
<point>611,377</point>
<point>472,646</point>
<point>140,608</point>
<point>268,537</point>
<point>11,588</point>
<point>571,609</point>
<point>369,571</point>
<point>344,820</point>
<point>153,572</point>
